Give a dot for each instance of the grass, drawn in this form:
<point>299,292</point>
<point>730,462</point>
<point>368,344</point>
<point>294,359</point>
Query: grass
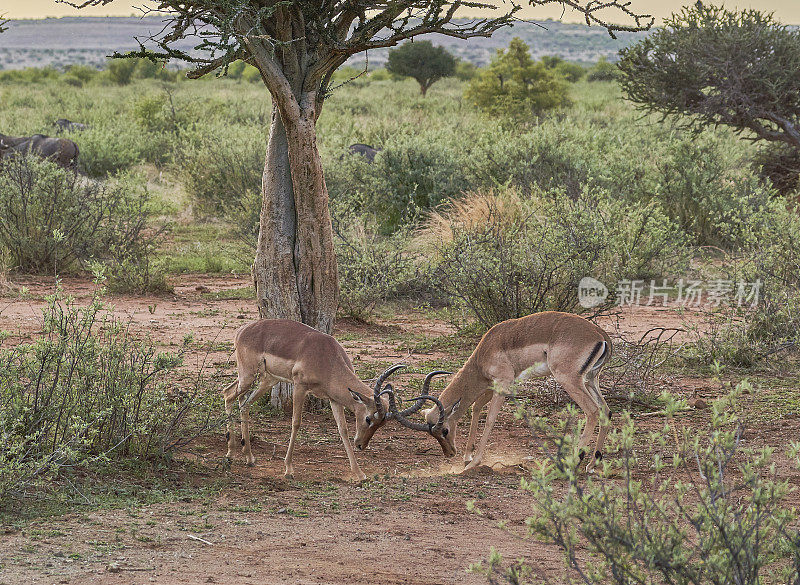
<point>122,486</point>
<point>206,248</point>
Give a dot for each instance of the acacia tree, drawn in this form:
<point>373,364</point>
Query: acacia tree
<point>422,61</point>
<point>297,46</point>
<point>717,66</point>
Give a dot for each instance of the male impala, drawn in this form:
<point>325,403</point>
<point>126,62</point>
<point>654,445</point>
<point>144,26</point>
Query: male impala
<point>565,345</point>
<point>287,351</point>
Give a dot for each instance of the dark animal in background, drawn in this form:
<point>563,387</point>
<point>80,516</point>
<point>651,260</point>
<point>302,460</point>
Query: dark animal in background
<point>62,151</point>
<point>364,150</point>
<point>64,125</point>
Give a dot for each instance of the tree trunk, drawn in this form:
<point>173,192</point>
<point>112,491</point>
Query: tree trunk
<point>295,268</point>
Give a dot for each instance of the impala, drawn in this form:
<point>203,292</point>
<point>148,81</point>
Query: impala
<point>281,350</point>
<point>567,346</point>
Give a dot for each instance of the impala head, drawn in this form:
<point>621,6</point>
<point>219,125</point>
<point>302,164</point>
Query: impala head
<point>443,426</point>
<point>371,411</point>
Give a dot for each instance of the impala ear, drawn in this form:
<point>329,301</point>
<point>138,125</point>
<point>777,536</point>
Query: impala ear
<point>358,397</point>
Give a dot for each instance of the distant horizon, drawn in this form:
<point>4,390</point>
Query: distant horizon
<point>786,11</point>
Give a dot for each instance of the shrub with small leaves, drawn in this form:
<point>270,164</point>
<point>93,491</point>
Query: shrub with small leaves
<point>55,220</point>
<point>603,70</point>
<point>498,257</point>
<point>86,391</point>
<point>371,268</point>
<point>686,506</point>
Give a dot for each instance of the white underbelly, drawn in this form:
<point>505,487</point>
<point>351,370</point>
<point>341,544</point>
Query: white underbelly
<point>536,370</point>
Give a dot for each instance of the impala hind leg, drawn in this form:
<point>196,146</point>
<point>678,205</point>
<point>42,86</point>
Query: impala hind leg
<point>473,427</point>
<point>341,423</point>
<point>245,401</point>
<point>576,387</point>
<point>229,395</point>
<point>299,393</point>
<point>605,418</point>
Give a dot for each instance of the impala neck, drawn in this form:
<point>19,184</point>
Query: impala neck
<point>467,385</point>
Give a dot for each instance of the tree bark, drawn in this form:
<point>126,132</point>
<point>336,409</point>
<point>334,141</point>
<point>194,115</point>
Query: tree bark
<point>295,267</point>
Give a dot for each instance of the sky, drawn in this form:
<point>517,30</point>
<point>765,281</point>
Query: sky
<point>787,11</point>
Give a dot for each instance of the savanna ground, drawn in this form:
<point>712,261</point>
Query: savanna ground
<point>198,149</point>
<point>407,524</point>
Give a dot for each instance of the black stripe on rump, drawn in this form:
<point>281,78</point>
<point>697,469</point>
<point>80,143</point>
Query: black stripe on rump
<point>591,357</point>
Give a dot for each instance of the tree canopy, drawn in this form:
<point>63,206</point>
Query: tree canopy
<point>422,61</point>
<point>717,66</point>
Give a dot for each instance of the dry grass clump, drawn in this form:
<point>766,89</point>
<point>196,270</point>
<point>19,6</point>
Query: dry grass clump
<point>473,211</point>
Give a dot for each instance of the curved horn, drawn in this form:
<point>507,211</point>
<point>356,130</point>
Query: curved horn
<point>425,427</point>
<point>425,392</point>
<point>379,382</point>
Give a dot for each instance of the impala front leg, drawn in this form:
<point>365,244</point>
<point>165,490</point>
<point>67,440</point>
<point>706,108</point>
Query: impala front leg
<point>473,427</point>
<point>298,398</point>
<point>245,401</point>
<point>341,423</point>
<point>495,406</point>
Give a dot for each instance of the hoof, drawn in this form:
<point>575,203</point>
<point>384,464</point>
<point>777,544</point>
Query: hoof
<point>288,474</point>
<point>251,463</point>
<point>472,465</point>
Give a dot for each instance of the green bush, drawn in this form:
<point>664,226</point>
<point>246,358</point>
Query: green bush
<point>120,71</point>
<point>381,75</point>
<point>252,75</point>
<point>465,70</point>
<point>572,72</point>
<point>762,327</point>
<point>86,391</point>
<point>73,81</point>
<point>604,71</point>
<point>372,268</point>
<point>29,75</point>
<point>514,86</point>
<point>715,203</point>
<point>223,175</point>
<point>413,174</point>
<point>685,506</point>
<point>54,220</point>
<point>82,72</point>
<point>148,69</point>
<point>498,257</point>
<point>107,149</point>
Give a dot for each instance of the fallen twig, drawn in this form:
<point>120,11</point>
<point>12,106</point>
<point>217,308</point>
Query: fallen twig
<point>203,540</point>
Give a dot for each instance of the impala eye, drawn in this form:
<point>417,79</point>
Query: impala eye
<point>369,421</point>
<point>445,431</point>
